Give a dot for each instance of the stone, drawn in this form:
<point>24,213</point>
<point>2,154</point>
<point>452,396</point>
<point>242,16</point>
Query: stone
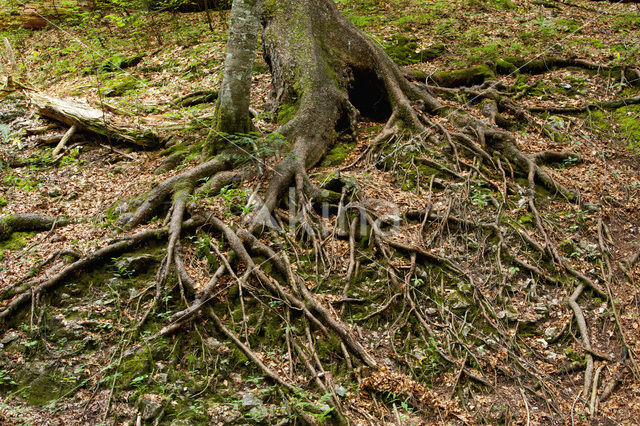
<point>9,337</point>
<point>455,301</point>
<point>213,343</point>
<point>55,192</point>
<point>135,265</point>
<point>258,414</point>
<point>541,308</point>
<point>250,400</point>
<point>323,407</point>
<point>550,333</point>
<point>509,314</point>
<point>340,390</point>
<point>150,408</point>
<point>61,327</point>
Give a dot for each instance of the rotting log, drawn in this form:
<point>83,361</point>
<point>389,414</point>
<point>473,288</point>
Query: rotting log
<point>88,119</point>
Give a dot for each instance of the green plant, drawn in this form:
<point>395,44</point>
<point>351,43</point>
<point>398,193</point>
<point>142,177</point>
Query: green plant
<point>234,199</point>
<point>120,268</point>
<point>479,195</point>
<point>25,183</point>
<point>5,378</point>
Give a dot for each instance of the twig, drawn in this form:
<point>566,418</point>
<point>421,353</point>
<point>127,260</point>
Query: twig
<point>248,352</point>
<point>526,406</point>
<point>64,140</point>
<point>573,406</point>
<point>593,405</point>
<point>584,333</point>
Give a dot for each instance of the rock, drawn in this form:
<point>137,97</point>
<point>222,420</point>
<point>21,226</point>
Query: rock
<point>150,408</point>
<point>213,343</point>
<point>258,414</point>
<point>137,265</point>
<point>55,192</point>
<point>250,400</point>
<point>431,311</point>
<point>9,337</point>
<point>541,308</point>
<point>59,326</point>
<point>340,390</point>
<point>550,333</point>
<point>162,378</point>
<point>509,314</point>
<point>323,407</point>
<point>455,301</point>
<point>465,287</point>
<point>125,218</point>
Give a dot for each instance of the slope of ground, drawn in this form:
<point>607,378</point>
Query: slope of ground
<point>465,332</point>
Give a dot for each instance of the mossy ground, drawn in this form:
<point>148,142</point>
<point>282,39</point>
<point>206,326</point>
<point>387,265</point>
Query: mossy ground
<point>199,375</point>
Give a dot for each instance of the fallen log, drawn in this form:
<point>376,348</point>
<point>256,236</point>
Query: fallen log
<point>88,119</point>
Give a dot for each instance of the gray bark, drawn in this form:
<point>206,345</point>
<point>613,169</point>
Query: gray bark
<point>233,101</point>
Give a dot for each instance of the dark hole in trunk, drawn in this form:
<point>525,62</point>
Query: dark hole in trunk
<point>369,95</point>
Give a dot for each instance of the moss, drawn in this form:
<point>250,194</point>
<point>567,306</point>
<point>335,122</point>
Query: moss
<point>504,67</point>
<point>120,85</point>
<point>287,112</point>
<point>464,77</point>
<point>628,121</point>
<point>184,146</point>
<point>338,154</point>
<point>118,62</point>
<point>40,389</point>
<point>404,50</point>
<point>16,241</point>
<point>420,75</point>
<point>136,366</point>
<point>625,121</point>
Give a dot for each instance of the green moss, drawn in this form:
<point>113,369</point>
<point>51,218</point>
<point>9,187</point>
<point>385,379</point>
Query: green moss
<point>120,85</point>
<point>628,121</point>
<point>287,112</point>
<point>504,67</point>
<point>404,50</point>
<point>118,62</point>
<point>136,366</point>
<point>40,389</point>
<point>464,77</point>
<point>338,154</point>
<point>16,241</point>
<point>625,122</point>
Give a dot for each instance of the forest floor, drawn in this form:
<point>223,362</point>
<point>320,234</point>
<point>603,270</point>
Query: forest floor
<point>65,359</point>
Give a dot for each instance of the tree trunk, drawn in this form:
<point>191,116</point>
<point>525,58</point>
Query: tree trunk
<point>232,115</point>
<point>326,74</point>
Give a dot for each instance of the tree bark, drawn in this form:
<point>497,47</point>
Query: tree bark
<point>326,74</point>
<point>232,115</point>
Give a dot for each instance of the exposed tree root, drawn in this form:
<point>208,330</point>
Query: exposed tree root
<point>29,222</point>
<point>328,90</point>
<point>26,290</point>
